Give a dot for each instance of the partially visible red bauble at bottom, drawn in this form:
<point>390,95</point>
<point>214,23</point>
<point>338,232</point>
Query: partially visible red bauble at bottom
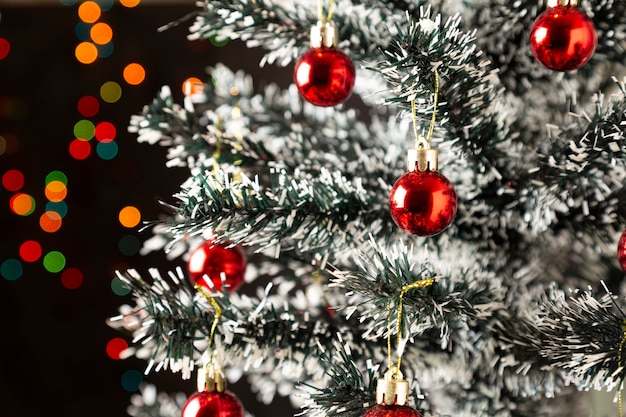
<point>621,251</point>
<point>213,404</point>
<point>393,410</point>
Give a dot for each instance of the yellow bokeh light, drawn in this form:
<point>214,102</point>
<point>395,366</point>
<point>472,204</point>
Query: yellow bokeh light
<point>89,11</point>
<point>110,92</point>
<point>129,216</point>
<point>134,74</point>
<point>101,33</point>
<point>192,85</point>
<point>86,52</point>
<point>130,3</point>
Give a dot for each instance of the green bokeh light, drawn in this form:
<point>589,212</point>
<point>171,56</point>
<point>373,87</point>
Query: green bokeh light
<point>54,261</point>
<point>56,176</point>
<point>84,129</point>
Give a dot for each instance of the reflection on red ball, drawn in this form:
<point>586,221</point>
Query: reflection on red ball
<point>423,203</point>
<point>563,38</point>
<point>324,76</point>
<point>210,260</point>
<point>393,410</point>
<point>212,404</point>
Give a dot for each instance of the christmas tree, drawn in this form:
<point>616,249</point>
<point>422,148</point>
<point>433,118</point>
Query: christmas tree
<point>442,242</point>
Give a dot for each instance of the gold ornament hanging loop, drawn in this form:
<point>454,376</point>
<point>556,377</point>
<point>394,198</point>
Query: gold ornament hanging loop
<point>320,11</point>
<point>218,311</point>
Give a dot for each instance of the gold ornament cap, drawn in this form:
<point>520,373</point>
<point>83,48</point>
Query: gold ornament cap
<point>392,389</point>
<point>211,378</point>
<point>324,34</point>
<point>424,158</point>
<point>564,3</point>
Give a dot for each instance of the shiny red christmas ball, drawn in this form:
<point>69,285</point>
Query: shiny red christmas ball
<point>621,251</point>
<point>423,203</point>
<point>324,76</point>
<point>563,38</point>
<point>212,260</point>
<point>383,410</point>
<point>213,404</point>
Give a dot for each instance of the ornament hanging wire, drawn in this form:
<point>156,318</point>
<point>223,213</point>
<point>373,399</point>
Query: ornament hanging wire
<point>422,142</point>
<point>320,11</point>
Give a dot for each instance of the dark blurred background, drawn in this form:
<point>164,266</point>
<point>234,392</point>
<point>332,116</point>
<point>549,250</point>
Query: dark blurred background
<point>53,335</point>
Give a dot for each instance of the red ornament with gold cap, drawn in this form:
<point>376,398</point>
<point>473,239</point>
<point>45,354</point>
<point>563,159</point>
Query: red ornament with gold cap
<point>423,202</point>
<point>324,75</point>
<point>210,261</point>
<point>621,251</point>
<point>392,394</point>
<point>563,37</point>
<point>212,398</point>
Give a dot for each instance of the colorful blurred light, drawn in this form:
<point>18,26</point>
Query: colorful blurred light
<point>107,150</point>
<point>129,216</point>
<point>72,278</point>
<point>50,221</point>
<point>134,73</point>
<point>110,92</point>
<point>30,251</point>
<point>130,3</point>
<point>115,348</point>
<point>54,261</point>
<point>80,149</point>
<point>84,129</point>
<point>129,245</point>
<point>119,287</point>
<point>101,33</point>
<point>81,30</point>
<point>5,47</point>
<point>11,269</point>
<point>86,52</point>
<point>13,180</point>
<point>22,204</point>
<point>89,11</point>
<point>192,85</point>
<point>55,191</point>
<point>105,132</point>
<point>132,380</point>
<point>60,207</point>
<point>106,50</point>
<point>88,106</point>
<point>56,176</point>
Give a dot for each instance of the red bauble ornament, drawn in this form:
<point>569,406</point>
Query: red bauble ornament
<point>621,251</point>
<point>213,404</point>
<point>394,410</point>
<point>324,76</point>
<point>423,203</point>
<point>210,260</point>
<point>563,38</point>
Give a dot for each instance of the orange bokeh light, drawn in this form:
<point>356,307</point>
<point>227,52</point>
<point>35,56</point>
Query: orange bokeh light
<point>134,74</point>
<point>86,52</point>
<point>56,191</point>
<point>130,3</point>
<point>22,204</point>
<point>192,85</point>
<point>89,11</point>
<point>50,221</point>
<point>129,216</point>
<point>101,33</point>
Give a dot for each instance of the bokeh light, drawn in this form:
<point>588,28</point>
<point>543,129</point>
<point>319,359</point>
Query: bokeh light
<point>11,269</point>
<point>101,33</point>
<point>89,11</point>
<point>54,261</point>
<point>130,3</point>
<point>81,30</point>
<point>119,287</point>
<point>72,278</point>
<point>5,47</point>
<point>107,150</point>
<point>68,2</point>
<point>56,176</point>
<point>192,85</point>
<point>134,73</point>
<point>129,216</point>
<point>84,129</point>
<point>106,50</point>
<point>105,132</point>
<point>129,245</point>
<point>13,180</point>
<point>22,204</point>
<point>59,206</point>
<point>50,221</point>
<point>105,5</point>
<point>110,92</point>
<point>88,106</point>
<point>215,41</point>
<point>86,52</point>
<point>115,347</point>
<point>55,191</point>
<point>132,380</point>
<point>30,251</point>
<point>80,149</point>
<point>9,143</point>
